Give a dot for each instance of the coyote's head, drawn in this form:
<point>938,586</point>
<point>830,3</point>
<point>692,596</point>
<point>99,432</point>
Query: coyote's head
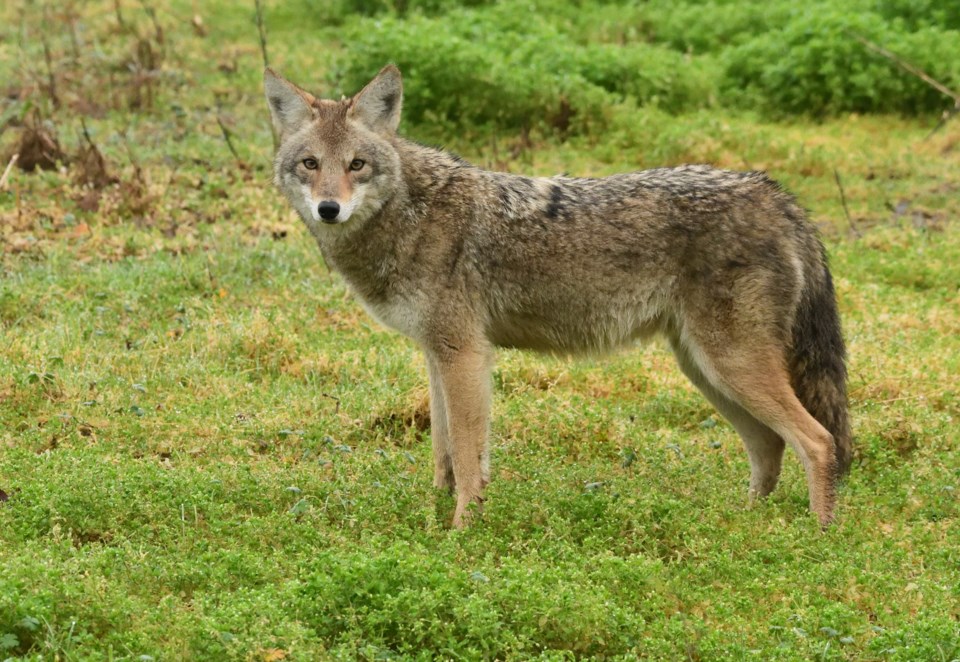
<point>336,162</point>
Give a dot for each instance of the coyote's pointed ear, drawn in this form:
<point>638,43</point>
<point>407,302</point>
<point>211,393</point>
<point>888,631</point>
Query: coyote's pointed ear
<point>290,107</point>
<point>378,104</point>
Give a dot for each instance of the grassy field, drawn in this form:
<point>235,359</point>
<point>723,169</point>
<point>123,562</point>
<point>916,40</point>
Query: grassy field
<point>208,451</point>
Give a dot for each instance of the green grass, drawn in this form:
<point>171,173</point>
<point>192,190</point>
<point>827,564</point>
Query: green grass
<point>210,452</point>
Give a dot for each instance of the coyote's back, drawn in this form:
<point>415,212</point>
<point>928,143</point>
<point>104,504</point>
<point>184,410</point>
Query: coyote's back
<point>463,260</point>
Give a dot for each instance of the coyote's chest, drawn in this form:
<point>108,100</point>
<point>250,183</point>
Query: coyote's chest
<point>397,313</point>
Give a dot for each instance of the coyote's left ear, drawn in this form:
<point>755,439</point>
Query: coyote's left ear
<point>290,107</point>
<point>378,104</point>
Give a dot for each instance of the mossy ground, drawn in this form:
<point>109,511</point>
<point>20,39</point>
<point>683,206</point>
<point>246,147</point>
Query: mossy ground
<point>208,451</point>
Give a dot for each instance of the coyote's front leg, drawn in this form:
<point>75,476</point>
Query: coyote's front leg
<point>439,433</point>
<point>464,377</point>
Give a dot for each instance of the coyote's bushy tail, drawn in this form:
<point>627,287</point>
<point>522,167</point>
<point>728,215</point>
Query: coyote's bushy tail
<point>817,369</point>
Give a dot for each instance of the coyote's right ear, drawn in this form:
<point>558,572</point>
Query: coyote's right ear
<point>378,104</point>
<point>290,107</point>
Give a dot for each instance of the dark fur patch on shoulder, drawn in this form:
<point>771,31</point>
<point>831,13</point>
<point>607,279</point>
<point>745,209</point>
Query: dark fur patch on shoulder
<point>506,200</point>
<point>556,208</point>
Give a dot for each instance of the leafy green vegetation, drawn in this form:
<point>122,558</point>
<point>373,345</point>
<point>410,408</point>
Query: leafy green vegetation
<point>502,68</point>
<point>563,65</point>
<point>208,451</point>
<point>815,65</point>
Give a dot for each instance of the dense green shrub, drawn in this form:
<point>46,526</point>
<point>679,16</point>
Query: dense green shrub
<point>566,66</point>
<point>500,68</point>
<point>917,13</point>
<point>814,65</point>
<point>705,27</point>
<point>450,76</point>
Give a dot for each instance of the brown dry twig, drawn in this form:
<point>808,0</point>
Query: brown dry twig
<point>135,193</point>
<point>152,15</point>
<point>335,399</point>
<point>906,66</point>
<point>263,34</point>
<point>93,167</point>
<point>51,76</point>
<point>266,63</point>
<point>226,136</point>
<point>6,171</point>
<point>843,200</point>
<point>948,115</point>
<point>119,12</point>
<point>919,73</point>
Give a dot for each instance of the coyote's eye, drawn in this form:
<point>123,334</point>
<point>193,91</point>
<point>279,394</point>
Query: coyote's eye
<point>357,164</point>
<point>310,164</point>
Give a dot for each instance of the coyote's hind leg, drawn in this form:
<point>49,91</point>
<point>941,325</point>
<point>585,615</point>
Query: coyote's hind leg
<point>764,446</point>
<point>749,368</point>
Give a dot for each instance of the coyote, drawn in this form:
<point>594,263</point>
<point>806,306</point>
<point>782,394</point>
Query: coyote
<point>463,260</point>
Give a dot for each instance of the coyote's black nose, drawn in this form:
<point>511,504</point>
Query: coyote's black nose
<point>328,210</point>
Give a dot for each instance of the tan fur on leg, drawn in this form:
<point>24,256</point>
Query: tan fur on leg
<point>764,446</point>
<point>465,379</point>
<point>442,459</point>
<point>761,385</point>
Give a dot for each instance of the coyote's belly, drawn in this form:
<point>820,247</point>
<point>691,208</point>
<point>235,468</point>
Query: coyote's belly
<point>578,327</point>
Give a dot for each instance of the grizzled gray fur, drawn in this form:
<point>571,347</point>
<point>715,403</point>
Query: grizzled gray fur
<point>462,260</point>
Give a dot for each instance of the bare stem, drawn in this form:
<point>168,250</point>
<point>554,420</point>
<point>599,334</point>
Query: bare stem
<point>119,13</point>
<point>86,133</point>
<point>226,136</point>
<point>51,78</point>
<point>157,28</point>
<point>266,63</point>
<point>843,200</point>
<point>263,34</point>
<point>948,115</point>
<point>906,66</point>
<point>6,171</point>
